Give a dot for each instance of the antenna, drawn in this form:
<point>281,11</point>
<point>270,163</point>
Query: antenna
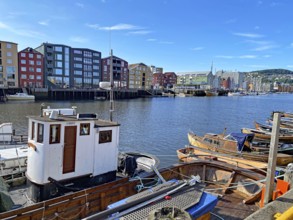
<point>111,85</point>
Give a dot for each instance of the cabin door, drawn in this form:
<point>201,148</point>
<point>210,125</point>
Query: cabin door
<point>69,149</point>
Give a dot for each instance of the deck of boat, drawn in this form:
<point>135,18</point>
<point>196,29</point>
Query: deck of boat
<point>230,206</point>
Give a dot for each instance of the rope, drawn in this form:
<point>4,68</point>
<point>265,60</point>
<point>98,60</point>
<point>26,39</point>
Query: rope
<point>217,216</point>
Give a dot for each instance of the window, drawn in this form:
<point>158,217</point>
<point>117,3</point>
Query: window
<point>77,72</point>
<point>78,65</point>
<point>58,56</point>
<point>54,134</point>
<point>22,55</point>
<point>40,136</point>
<point>31,55</point>
<point>31,62</point>
<point>39,77</point>
<point>96,54</point>
<point>95,67</point>
<point>66,50</point>
<point>84,128</point>
<point>58,71</point>
<point>23,68</point>
<point>23,61</point>
<point>96,61</point>
<point>39,56</point>
<point>58,64</point>
<point>105,137</point>
<point>9,54</point>
<point>39,63</point>
<point>77,59</point>
<point>31,76</point>
<point>31,69</point>
<point>77,51</point>
<point>23,76</point>
<point>58,49</point>
<point>9,61</point>
<point>33,131</point>
<point>8,45</point>
<point>38,70</point>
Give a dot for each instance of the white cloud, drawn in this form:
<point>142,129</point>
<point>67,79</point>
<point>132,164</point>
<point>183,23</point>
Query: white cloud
<point>267,56</point>
<point>78,39</point>
<point>249,35</point>
<point>78,4</point>
<point>140,32</point>
<point>259,42</point>
<point>197,48</point>
<point>290,66</point>
<point>117,27</point>
<point>265,47</point>
<point>44,23</point>
<point>166,42</point>
<point>3,26</point>
<point>225,56</point>
<point>248,57</point>
<point>21,31</point>
<point>151,39</point>
<point>257,66</point>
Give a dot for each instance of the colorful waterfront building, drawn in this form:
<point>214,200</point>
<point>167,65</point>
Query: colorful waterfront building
<point>140,76</point>
<point>66,67</point>
<point>158,80</point>
<point>8,64</point>
<point>30,63</point>
<point>120,71</point>
<point>170,79</point>
<point>198,79</point>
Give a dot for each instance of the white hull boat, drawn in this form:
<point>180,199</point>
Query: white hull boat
<point>20,96</point>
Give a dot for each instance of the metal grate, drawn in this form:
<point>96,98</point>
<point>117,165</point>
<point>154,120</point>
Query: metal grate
<point>181,200</point>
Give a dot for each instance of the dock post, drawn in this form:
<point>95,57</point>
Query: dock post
<point>272,159</point>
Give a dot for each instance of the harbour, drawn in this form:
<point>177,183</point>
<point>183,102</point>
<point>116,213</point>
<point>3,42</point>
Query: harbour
<point>159,126</point>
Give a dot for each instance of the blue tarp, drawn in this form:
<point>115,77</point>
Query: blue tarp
<point>241,138</point>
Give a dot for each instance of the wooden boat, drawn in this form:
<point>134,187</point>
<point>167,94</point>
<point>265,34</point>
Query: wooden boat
<point>20,96</point>
<point>236,187</point>
<point>268,128</point>
<point>211,93</point>
<point>266,136</point>
<point>191,154</point>
<point>235,144</point>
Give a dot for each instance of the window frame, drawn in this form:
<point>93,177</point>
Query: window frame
<point>40,136</point>
<point>58,134</point>
<point>84,132</point>
<point>105,136</point>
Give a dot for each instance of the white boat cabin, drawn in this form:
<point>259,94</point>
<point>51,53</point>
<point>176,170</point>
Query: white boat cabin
<point>64,146</point>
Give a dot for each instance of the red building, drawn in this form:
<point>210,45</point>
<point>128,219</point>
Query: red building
<point>158,80</point>
<point>120,71</point>
<point>226,83</point>
<point>170,79</point>
<point>30,67</point>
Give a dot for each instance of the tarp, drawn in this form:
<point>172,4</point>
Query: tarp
<point>240,138</point>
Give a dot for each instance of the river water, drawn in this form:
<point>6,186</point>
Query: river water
<point>159,125</point>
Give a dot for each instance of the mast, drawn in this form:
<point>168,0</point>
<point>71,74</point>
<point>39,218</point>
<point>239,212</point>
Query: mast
<point>111,86</point>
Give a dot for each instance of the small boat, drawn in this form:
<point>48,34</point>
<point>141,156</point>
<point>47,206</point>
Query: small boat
<point>168,94</point>
<point>8,138</point>
<point>235,144</point>
<point>266,136</point>
<point>181,94</point>
<point>211,93</point>
<point>99,98</point>
<point>191,153</point>
<point>20,96</point>
<point>236,94</point>
<point>268,128</point>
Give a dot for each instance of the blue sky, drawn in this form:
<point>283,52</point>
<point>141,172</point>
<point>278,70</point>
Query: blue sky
<point>178,35</point>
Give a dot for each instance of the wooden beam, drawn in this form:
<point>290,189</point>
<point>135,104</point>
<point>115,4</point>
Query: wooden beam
<point>272,159</point>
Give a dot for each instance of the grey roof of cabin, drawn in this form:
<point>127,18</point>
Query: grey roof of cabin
<point>73,118</point>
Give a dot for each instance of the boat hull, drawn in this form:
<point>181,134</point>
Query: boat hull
<point>282,159</point>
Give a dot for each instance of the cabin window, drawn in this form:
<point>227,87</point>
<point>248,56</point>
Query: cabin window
<point>33,131</point>
<point>105,137</point>
<point>84,129</point>
<point>40,136</point>
<point>54,134</point>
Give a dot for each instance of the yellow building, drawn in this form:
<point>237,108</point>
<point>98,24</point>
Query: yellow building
<point>8,64</point>
<point>140,76</point>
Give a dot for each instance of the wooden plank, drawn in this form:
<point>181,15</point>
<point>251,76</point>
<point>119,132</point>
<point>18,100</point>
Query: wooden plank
<point>272,159</point>
<point>232,177</point>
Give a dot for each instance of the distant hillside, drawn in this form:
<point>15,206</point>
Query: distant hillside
<point>273,71</point>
